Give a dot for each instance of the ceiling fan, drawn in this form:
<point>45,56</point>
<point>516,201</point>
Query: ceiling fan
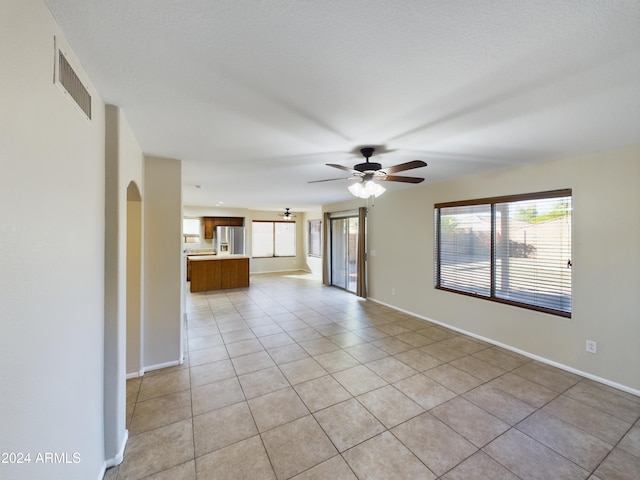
<point>287,215</point>
<point>367,171</point>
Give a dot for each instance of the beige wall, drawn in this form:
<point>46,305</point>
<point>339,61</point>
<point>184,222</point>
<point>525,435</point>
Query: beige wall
<point>51,254</point>
<point>163,263</point>
<point>134,280</point>
<point>606,263</point>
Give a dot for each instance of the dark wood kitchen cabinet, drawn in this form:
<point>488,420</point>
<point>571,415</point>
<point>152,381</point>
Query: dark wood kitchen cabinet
<point>210,224</point>
<point>209,227</point>
<point>216,272</point>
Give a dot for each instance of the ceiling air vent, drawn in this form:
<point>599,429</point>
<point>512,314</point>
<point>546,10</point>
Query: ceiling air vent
<point>68,79</point>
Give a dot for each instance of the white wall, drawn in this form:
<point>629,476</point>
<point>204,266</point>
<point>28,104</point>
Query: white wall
<point>163,279</point>
<point>123,158</point>
<point>606,263</point>
<point>51,255</point>
<point>124,170</point>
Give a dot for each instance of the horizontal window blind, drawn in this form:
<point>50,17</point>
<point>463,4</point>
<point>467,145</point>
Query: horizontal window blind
<point>191,230</point>
<point>533,252</point>
<point>285,239</point>
<point>315,238</point>
<point>273,239</point>
<point>514,249</point>
<point>262,239</point>
<point>465,249</point>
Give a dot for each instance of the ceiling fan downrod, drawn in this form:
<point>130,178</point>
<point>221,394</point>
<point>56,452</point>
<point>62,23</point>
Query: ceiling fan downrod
<point>367,152</point>
<point>367,166</point>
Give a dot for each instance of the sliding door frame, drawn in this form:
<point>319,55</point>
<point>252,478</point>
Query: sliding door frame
<point>360,254</point>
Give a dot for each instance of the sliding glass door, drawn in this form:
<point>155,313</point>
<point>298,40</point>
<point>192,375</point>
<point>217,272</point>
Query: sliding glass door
<point>344,252</point>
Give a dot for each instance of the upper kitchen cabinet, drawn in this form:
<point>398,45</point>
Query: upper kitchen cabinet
<point>209,228</point>
<point>231,222</point>
<point>210,224</point>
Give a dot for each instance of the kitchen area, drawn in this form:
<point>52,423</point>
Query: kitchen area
<point>215,253</point>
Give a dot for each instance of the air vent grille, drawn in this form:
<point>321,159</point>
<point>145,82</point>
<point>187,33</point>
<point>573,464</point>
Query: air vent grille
<point>72,84</point>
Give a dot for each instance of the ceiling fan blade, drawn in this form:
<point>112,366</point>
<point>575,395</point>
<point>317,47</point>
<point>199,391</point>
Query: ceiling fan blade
<point>335,165</point>
<point>405,166</point>
<point>332,179</point>
<point>399,178</point>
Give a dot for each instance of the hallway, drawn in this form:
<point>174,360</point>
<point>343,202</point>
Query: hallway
<point>292,379</point>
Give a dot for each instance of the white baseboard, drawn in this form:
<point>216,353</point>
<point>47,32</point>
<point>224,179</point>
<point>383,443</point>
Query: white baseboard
<point>155,367</point>
<point>135,375</point>
<point>117,460</point>
<point>278,271</point>
<point>533,356</point>
<point>158,366</point>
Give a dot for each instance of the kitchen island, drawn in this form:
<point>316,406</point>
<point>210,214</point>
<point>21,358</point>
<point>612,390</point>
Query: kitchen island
<point>216,272</point>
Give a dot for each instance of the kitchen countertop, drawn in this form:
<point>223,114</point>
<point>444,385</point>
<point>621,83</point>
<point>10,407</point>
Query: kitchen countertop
<point>193,254</point>
<point>200,258</point>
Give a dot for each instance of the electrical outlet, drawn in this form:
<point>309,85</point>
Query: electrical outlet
<point>592,346</point>
<point>393,291</point>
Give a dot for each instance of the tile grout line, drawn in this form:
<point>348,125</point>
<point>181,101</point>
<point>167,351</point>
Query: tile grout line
<point>343,323</point>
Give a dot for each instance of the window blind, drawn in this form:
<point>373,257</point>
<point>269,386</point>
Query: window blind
<point>465,249</point>
<point>273,239</point>
<point>315,238</point>
<point>514,249</point>
<point>285,239</point>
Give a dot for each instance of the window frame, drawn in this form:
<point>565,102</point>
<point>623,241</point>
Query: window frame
<point>310,235</point>
<point>492,202</point>
<point>191,238</point>
<point>274,243</point>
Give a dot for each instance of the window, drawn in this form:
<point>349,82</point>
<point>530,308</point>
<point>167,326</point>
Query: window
<point>514,250</point>
<point>191,230</point>
<point>273,239</point>
<point>315,238</point>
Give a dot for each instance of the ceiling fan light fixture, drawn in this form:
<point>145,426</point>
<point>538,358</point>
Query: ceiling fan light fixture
<point>368,171</point>
<point>366,189</point>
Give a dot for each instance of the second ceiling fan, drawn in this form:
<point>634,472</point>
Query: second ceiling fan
<point>287,215</point>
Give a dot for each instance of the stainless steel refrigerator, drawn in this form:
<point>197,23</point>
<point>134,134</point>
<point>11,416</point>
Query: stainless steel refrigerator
<point>230,240</point>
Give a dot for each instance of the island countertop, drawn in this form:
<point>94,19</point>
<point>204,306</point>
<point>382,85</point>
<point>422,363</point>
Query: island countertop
<point>200,258</point>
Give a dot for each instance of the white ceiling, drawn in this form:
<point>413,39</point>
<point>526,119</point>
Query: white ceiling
<point>255,96</point>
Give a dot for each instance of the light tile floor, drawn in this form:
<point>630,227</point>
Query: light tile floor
<point>292,379</point>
